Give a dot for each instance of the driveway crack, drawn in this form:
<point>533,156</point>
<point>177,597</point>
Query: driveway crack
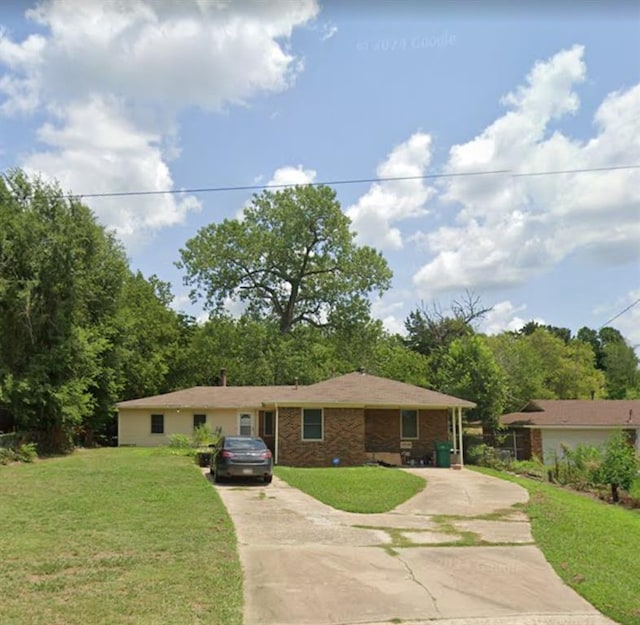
<point>414,579</point>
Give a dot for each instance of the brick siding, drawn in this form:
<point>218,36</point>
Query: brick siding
<point>343,439</point>
<point>536,443</point>
<point>382,431</point>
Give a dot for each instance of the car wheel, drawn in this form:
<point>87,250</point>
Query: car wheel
<point>267,479</point>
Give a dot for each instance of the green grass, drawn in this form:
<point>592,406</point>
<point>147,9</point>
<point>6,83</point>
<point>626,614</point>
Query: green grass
<point>116,536</point>
<point>355,489</point>
<point>592,545</point>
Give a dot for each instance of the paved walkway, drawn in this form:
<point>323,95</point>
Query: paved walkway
<point>308,564</point>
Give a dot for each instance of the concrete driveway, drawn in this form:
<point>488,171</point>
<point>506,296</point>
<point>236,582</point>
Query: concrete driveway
<point>458,553</point>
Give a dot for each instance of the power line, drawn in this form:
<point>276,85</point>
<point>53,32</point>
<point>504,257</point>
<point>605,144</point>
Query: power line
<point>257,187</point>
<point>260,187</point>
<point>629,307</point>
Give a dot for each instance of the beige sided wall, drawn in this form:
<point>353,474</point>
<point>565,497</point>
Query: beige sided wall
<point>134,426</point>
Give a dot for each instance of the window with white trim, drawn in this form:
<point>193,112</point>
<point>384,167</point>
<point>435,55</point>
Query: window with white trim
<point>245,424</point>
<point>312,424</point>
<point>408,424</point>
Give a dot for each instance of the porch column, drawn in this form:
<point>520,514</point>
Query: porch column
<point>460,450</point>
<point>275,445</point>
<point>452,411</point>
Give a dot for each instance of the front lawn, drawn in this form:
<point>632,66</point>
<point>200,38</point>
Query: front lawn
<point>116,536</point>
<point>355,489</point>
<point>593,546</point>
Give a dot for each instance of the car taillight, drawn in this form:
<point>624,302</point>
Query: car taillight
<point>267,454</point>
<point>228,454</point>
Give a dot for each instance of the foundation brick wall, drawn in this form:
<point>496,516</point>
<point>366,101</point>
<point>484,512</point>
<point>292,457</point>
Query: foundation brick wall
<point>382,431</point>
<point>343,438</point>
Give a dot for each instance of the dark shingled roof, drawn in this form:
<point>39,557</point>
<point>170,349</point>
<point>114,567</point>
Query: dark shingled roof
<point>577,412</point>
<point>359,389</point>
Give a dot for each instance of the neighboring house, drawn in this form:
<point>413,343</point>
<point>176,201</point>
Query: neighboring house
<point>545,425</point>
<point>351,418</point>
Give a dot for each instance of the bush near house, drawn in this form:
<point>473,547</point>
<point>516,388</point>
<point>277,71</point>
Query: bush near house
<point>612,472</point>
<point>14,447</point>
<point>197,445</point>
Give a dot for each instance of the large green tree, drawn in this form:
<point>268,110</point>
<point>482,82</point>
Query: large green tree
<point>616,358</point>
<point>469,370</point>
<point>60,283</point>
<point>568,367</point>
<point>523,367</point>
<point>292,257</point>
<point>152,337</point>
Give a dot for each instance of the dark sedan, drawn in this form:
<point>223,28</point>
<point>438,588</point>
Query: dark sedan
<point>241,456</point>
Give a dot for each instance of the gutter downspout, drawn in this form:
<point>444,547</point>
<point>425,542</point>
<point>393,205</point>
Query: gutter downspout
<point>460,450</point>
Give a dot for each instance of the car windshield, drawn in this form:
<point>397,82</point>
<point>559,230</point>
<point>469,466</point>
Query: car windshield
<point>244,443</point>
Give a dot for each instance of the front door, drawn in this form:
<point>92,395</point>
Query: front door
<point>245,424</point>
<point>266,428</point>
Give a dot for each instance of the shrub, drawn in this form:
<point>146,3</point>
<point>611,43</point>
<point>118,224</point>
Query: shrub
<point>530,468</point>
<point>181,444</point>
<point>202,435</point>
<point>487,456</point>
<point>7,455</point>
<point>579,467</point>
<point>26,452</point>
<point>620,466</point>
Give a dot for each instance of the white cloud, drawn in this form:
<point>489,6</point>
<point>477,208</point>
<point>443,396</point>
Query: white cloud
<point>509,229</point>
<point>97,149</point>
<point>504,317</point>
<point>111,78</point>
<point>290,175</point>
<point>287,175</point>
<point>204,54</point>
<point>390,202</point>
<point>389,309</point>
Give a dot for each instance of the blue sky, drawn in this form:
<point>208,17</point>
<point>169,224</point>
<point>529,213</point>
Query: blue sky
<point>111,97</point>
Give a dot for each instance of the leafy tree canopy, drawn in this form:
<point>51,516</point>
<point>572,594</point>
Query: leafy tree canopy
<point>291,258</point>
<point>60,283</point>
<point>469,370</point>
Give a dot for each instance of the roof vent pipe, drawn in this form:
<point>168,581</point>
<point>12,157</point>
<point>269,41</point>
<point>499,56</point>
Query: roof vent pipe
<point>223,377</point>
<point>296,383</point>
<point>361,370</point>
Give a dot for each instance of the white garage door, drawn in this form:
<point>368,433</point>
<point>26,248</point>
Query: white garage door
<point>552,441</point>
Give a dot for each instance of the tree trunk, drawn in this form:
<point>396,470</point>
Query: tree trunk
<point>614,493</point>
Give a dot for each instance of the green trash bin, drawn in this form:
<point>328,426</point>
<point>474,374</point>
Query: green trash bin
<point>443,454</point>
